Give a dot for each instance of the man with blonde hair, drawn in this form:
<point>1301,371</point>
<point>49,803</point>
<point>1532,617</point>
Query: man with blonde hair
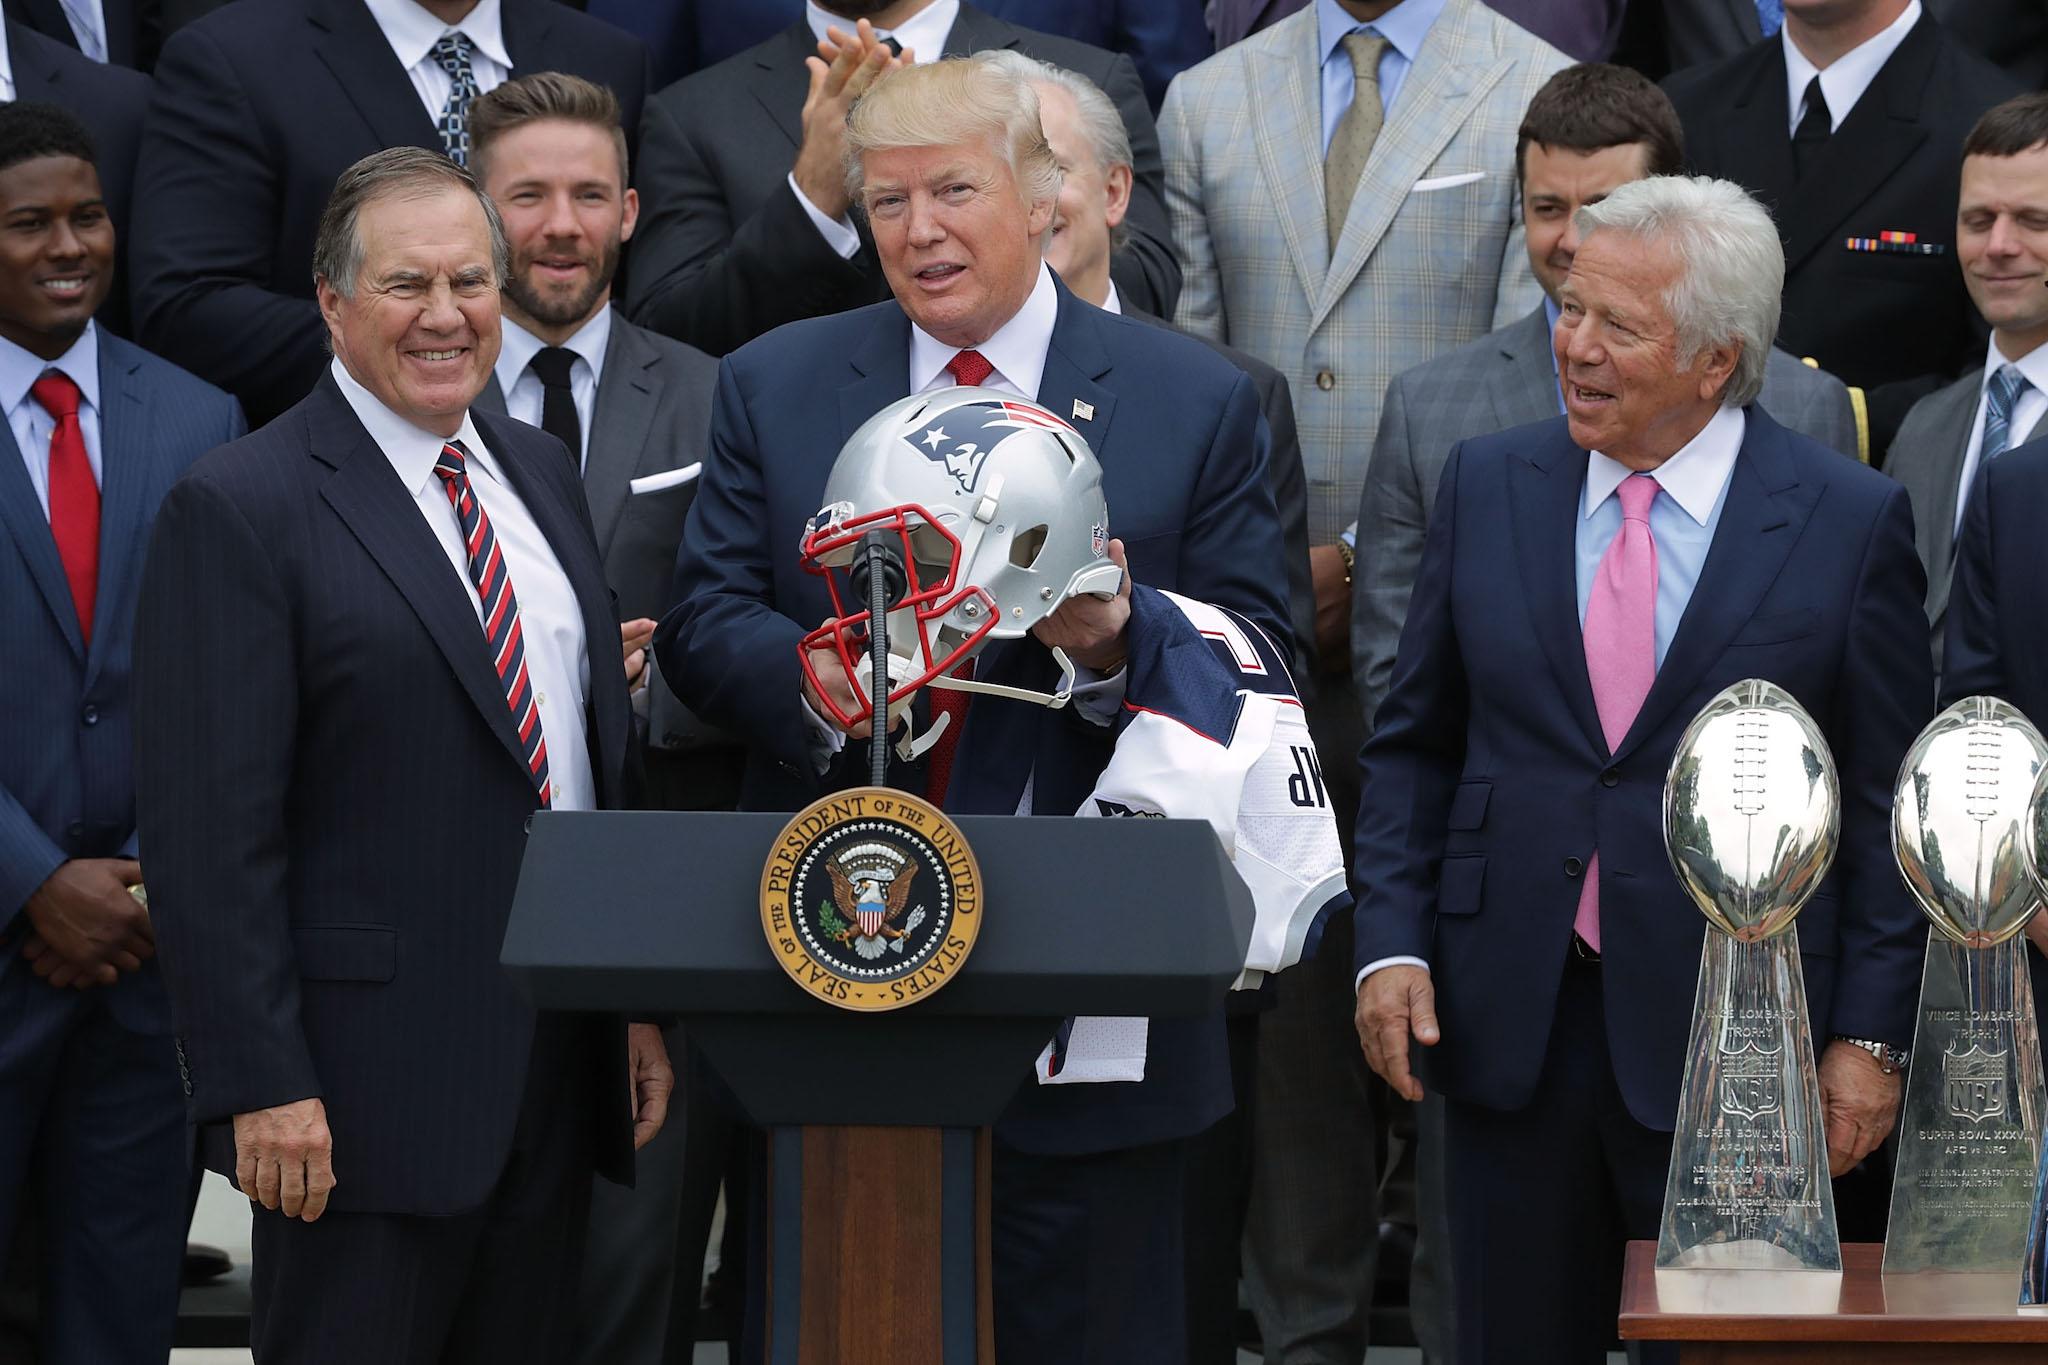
<point>952,171</point>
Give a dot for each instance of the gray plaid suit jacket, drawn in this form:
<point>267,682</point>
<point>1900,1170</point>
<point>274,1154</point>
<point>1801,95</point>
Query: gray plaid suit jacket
<point>1927,457</point>
<point>1505,379</point>
<point>1431,254</point>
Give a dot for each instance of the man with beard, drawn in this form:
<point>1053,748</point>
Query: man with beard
<point>634,410</point>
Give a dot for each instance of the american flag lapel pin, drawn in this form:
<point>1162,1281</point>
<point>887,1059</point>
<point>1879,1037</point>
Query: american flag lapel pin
<point>1083,412</point>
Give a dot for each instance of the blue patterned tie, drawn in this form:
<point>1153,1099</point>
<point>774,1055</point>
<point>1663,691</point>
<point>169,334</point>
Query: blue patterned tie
<point>1770,16</point>
<point>452,54</point>
<point>2000,394</point>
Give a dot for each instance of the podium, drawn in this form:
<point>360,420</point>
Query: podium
<point>878,1199</point>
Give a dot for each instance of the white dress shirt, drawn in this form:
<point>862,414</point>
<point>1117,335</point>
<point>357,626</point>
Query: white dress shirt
<point>6,69</point>
<point>2030,407</point>
<point>412,33</point>
<point>924,35</point>
<point>550,618</point>
<point>32,424</point>
<point>88,21</point>
<point>1114,303</point>
<point>1404,27</point>
<point>522,388</point>
<point>1848,76</point>
<point>1017,350</point>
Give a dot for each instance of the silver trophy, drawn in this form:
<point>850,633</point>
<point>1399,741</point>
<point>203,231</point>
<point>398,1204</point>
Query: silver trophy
<point>1752,814</point>
<point>2034,852</point>
<point>1971,1126</point>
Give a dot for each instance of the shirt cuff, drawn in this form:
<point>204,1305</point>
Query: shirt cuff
<point>825,739</point>
<point>837,232</point>
<point>1098,697</point>
<point>1369,968</point>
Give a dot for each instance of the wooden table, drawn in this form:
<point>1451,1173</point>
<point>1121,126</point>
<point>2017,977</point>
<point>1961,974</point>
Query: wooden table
<point>1799,1318</point>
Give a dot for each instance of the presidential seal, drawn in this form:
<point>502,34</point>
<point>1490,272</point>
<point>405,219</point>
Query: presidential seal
<point>871,899</point>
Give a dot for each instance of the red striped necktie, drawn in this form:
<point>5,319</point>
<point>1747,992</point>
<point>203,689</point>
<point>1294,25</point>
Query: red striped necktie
<point>493,582</point>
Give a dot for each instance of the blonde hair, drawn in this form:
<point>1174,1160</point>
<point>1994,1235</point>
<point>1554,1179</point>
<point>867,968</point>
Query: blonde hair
<point>944,103</point>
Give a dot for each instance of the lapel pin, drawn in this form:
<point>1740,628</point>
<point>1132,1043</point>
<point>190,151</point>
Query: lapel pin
<point>1084,412</point>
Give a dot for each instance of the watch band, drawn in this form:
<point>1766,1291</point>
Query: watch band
<point>1889,1058</point>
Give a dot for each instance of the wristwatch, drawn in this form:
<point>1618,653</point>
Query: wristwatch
<point>1890,1060</point>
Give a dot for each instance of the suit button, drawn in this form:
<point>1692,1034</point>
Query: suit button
<point>1325,380</point>
<point>76,829</point>
<point>91,715</point>
<point>1573,867</point>
<point>1610,778</point>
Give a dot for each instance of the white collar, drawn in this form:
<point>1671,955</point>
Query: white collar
<point>924,32</point>
<point>518,346</point>
<point>1694,477</point>
<point>412,32</point>
<point>6,64</point>
<point>20,369</point>
<point>1850,74</point>
<point>2034,365</point>
<point>1114,303</point>
<point>1017,350</point>
<point>411,449</point>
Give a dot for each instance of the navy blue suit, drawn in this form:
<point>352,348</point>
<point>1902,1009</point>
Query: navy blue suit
<point>1183,449</point>
<point>92,1074</point>
<point>1998,601</point>
<point>1488,786</point>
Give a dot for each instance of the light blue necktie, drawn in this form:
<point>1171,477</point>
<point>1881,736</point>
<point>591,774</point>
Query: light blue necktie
<point>2000,394</point>
<point>85,26</point>
<point>1770,16</point>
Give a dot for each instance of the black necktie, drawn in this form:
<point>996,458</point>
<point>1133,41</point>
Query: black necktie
<point>895,48</point>
<point>558,418</point>
<point>1813,131</point>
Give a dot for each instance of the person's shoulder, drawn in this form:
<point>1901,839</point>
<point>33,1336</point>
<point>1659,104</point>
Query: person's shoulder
<point>1967,82</point>
<point>811,344</point>
<point>173,382</point>
<point>100,82</point>
<point>1713,83</point>
<point>246,26</point>
<point>1073,54</point>
<point>1940,413</point>
<point>1505,37</point>
<point>710,88</point>
<point>1536,442</point>
<point>1227,68</point>
<point>1196,365</point>
<point>681,357</point>
<point>568,23</point>
<point>2020,473</point>
<point>1461,365</point>
<point>1854,488</point>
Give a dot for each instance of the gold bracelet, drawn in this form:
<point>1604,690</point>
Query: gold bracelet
<point>1350,560</point>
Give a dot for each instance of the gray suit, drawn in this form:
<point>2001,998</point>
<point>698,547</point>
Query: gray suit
<point>653,413</point>
<point>1927,457</point>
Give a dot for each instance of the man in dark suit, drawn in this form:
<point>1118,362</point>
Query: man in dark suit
<point>260,105</point>
<point>1587,585</point>
<point>633,409</point>
<point>377,634</point>
<point>1088,1178</point>
<point>90,1113</point>
<point>2002,249</point>
<point>1848,126</point>
<point>747,224</point>
<point>118,32</point>
<point>1161,37</point>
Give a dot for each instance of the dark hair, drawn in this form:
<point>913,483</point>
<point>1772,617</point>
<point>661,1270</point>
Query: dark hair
<point>31,130</point>
<point>2008,129</point>
<point>412,172</point>
<point>1594,106</point>
<point>541,96</point>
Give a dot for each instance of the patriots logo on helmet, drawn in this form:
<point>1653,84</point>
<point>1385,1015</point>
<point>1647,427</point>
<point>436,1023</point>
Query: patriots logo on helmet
<point>977,428</point>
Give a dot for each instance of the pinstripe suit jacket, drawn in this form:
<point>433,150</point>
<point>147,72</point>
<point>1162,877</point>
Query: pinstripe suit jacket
<point>1505,379</point>
<point>333,802</point>
<point>1431,254</point>
<point>67,786</point>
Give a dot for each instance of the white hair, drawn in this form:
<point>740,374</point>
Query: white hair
<point>1108,139</point>
<point>1731,266</point>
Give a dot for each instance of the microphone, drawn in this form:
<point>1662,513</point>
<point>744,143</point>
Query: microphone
<point>878,550</point>
<point>877,574</point>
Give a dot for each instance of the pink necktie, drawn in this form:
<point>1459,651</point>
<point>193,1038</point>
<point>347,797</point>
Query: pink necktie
<point>1621,647</point>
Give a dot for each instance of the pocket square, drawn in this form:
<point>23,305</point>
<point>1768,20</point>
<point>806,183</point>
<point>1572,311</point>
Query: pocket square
<point>667,478</point>
<point>1446,182</point>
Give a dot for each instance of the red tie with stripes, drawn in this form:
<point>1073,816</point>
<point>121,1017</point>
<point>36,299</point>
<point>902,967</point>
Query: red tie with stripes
<point>74,496</point>
<point>969,368</point>
<point>493,580</point>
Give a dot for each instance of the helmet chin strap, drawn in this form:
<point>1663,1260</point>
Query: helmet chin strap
<point>913,747</point>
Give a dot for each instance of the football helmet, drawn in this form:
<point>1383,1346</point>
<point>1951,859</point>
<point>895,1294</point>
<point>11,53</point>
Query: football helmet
<point>995,506</point>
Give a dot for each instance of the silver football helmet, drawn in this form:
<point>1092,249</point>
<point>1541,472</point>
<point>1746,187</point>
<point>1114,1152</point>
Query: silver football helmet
<point>996,506</point>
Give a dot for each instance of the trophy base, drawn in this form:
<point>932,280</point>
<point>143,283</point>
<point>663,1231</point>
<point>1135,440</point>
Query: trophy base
<point>1749,1188</point>
<point>1970,1126</point>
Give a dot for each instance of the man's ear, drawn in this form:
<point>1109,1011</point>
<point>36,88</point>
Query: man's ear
<point>1117,190</point>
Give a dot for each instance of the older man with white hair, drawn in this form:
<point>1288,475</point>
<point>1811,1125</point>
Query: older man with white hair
<point>1587,585</point>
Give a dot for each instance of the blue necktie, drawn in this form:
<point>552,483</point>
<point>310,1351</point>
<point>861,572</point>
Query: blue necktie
<point>2000,395</point>
<point>1770,16</point>
<point>452,53</point>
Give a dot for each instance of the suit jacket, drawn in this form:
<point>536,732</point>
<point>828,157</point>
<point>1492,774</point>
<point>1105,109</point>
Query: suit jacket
<point>725,252</point>
<point>1183,455</point>
<point>1290,493</point>
<point>653,414</point>
<point>1161,37</point>
<point>1994,645</point>
<point>1431,254</point>
<point>1697,31</point>
<point>2013,34</point>
<point>67,786</point>
<point>1488,785</point>
<point>258,108</point>
<point>109,101</point>
<point>1927,457</point>
<point>1894,324</point>
<point>329,917</point>
<point>133,28</point>
<point>1505,379</point>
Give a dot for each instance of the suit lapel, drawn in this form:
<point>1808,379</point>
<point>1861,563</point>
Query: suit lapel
<point>125,477</point>
<point>1524,387</point>
<point>781,92</point>
<point>1545,487</point>
<point>1287,129</point>
<point>1443,90</point>
<point>29,527</point>
<point>1942,496</point>
<point>1756,133</point>
<point>365,493</point>
<point>1761,519</point>
<point>881,370</point>
<point>1870,144</point>
<point>627,397</point>
<point>354,49</point>
<point>1074,362</point>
